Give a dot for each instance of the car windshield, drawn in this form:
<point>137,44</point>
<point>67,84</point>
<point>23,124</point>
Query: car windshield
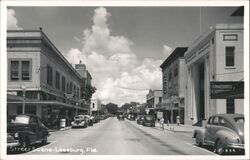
<point>239,120</point>
<point>20,119</point>
<point>149,117</point>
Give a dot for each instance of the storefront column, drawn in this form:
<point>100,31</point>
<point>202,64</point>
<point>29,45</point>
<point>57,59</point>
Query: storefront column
<point>207,87</point>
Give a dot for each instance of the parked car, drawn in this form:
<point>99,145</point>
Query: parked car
<point>102,117</point>
<point>120,117</point>
<point>96,119</point>
<point>79,121</point>
<point>222,131</point>
<point>25,130</point>
<point>148,120</point>
<point>139,119</point>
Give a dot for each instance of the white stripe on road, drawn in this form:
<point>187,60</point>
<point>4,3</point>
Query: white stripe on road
<point>35,150</point>
<point>201,149</point>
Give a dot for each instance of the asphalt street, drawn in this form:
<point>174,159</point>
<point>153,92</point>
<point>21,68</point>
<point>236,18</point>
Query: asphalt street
<point>114,137</point>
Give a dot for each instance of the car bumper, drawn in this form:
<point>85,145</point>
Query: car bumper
<point>236,146</point>
<point>78,125</point>
<point>13,144</point>
<point>148,124</point>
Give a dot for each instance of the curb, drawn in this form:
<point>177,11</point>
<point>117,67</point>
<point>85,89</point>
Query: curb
<point>62,129</point>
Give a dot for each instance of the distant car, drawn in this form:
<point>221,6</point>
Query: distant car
<point>24,130</point>
<point>148,120</point>
<point>102,117</point>
<point>120,117</point>
<point>96,119</point>
<point>79,121</point>
<point>222,131</point>
<point>139,119</point>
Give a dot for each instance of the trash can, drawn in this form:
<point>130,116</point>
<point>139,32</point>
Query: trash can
<point>63,123</point>
<point>178,120</point>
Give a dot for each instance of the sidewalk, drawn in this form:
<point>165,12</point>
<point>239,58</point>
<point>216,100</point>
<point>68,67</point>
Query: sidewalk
<point>180,128</point>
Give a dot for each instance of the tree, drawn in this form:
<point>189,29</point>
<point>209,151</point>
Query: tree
<point>112,108</point>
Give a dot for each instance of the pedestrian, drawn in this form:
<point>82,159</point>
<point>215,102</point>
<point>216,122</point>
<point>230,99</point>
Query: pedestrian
<point>162,123</point>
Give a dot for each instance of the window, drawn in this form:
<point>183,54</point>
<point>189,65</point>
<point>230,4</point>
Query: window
<point>230,56</point>
<point>176,72</point>
<point>25,70</point>
<point>230,37</point>
<point>170,76</point>
<point>210,120</point>
<point>70,87</point>
<point>57,80</point>
<point>14,65</point>
<point>230,105</point>
<point>49,75</point>
<point>216,121</point>
<point>63,83</point>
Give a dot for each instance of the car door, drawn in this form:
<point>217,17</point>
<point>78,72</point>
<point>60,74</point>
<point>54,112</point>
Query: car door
<point>214,128</point>
<point>35,128</point>
<point>208,130</point>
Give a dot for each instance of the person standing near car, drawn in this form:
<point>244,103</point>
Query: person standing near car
<point>162,123</point>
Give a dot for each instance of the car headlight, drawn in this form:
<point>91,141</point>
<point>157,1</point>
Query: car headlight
<point>16,135</point>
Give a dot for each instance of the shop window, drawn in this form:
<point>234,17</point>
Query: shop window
<point>230,105</point>
<point>230,37</point>
<point>57,80</point>
<point>26,70</point>
<point>14,67</point>
<point>230,56</point>
<point>49,75</point>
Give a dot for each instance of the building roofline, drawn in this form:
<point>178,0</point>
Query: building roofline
<point>178,52</point>
<point>43,36</point>
<point>200,40</point>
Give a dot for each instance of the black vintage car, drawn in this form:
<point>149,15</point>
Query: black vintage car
<point>148,120</point>
<point>25,130</point>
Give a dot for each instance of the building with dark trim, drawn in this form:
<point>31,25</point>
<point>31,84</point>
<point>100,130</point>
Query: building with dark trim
<point>40,79</point>
<point>173,86</point>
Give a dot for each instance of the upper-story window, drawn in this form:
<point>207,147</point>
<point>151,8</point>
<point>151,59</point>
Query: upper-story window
<point>63,84</point>
<point>57,80</point>
<point>14,67</point>
<point>176,72</point>
<point>230,56</point>
<point>25,70</point>
<point>49,75</point>
<point>170,76</point>
<point>20,70</point>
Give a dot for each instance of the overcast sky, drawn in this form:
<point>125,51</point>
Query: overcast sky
<point>122,47</point>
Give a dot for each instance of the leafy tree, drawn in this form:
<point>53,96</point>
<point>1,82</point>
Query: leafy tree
<point>112,108</point>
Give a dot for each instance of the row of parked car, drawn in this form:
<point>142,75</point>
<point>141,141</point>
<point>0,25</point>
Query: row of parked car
<point>86,120</point>
<point>25,130</point>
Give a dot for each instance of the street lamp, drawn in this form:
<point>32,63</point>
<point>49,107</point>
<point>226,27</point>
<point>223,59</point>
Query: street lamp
<point>24,92</point>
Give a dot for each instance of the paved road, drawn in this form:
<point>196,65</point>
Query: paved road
<point>114,137</point>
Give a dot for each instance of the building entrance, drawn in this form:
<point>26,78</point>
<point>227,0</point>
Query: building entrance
<point>201,105</point>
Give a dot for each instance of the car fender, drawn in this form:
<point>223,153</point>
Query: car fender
<point>200,133</point>
<point>226,136</point>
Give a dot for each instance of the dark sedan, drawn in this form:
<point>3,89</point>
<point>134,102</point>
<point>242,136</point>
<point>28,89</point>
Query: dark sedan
<point>139,119</point>
<point>24,130</point>
<point>148,120</point>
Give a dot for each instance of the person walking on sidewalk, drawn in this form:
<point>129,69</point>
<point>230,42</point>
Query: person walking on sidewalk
<point>162,123</point>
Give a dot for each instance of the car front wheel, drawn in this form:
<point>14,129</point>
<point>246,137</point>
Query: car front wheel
<point>198,141</point>
<point>45,139</point>
<point>24,142</point>
<point>220,149</point>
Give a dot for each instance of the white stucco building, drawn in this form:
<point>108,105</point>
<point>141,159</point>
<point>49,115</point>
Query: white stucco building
<point>215,77</point>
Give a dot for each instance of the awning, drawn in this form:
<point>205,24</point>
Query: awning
<point>54,103</point>
<point>166,106</point>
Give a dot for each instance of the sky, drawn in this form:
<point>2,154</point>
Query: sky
<point>122,47</point>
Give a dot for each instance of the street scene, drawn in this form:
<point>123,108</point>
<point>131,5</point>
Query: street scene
<point>126,81</point>
<point>116,137</point>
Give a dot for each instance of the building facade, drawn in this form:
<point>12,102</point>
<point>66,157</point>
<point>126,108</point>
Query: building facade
<point>153,98</point>
<point>174,83</point>
<point>40,80</point>
<point>215,77</point>
<point>95,106</point>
